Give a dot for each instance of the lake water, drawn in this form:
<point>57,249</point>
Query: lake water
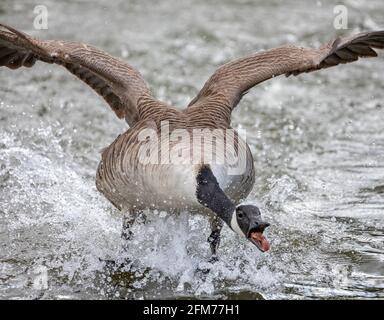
<point>317,140</point>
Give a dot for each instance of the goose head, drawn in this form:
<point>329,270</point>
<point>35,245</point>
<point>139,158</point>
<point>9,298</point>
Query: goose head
<point>247,222</point>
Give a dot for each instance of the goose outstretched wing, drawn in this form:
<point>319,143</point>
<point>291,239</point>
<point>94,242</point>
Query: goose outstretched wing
<point>118,83</point>
<point>230,82</point>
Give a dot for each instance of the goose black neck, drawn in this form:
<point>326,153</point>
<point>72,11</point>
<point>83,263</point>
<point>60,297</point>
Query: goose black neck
<point>210,195</point>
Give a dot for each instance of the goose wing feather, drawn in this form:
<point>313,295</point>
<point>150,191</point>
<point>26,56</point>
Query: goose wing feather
<point>230,82</point>
<point>118,83</point>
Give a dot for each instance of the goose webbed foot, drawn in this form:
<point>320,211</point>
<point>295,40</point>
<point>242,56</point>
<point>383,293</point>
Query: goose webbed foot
<point>122,262</point>
<point>204,268</point>
<point>118,265</point>
<point>213,259</point>
<point>214,241</point>
<point>214,237</point>
<point>126,235</point>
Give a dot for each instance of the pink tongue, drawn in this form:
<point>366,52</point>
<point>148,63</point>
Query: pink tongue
<point>264,244</point>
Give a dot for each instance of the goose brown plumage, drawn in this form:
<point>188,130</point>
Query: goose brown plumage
<point>205,186</point>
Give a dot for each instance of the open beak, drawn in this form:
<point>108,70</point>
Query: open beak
<point>255,235</point>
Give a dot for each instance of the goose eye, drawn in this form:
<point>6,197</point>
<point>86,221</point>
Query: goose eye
<point>240,215</point>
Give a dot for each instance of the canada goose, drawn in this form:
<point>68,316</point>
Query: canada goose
<point>134,180</point>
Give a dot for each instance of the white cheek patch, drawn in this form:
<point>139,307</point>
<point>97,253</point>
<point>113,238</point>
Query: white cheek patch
<point>235,225</point>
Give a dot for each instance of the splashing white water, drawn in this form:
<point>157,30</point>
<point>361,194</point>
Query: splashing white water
<point>56,219</point>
